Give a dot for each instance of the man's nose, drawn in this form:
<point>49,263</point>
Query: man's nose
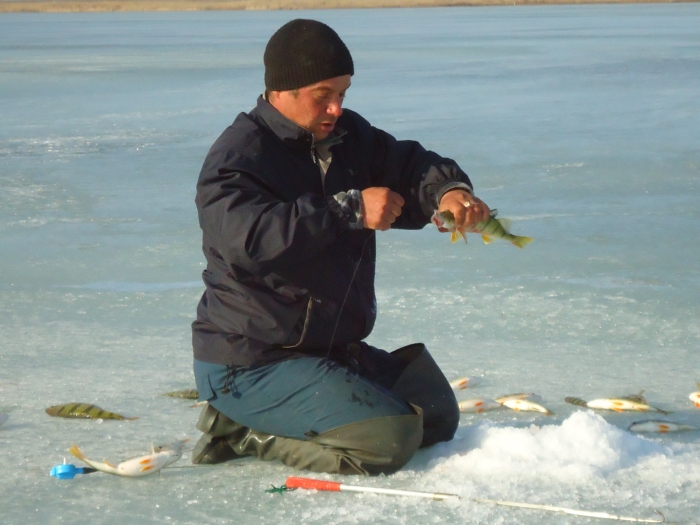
<point>335,108</point>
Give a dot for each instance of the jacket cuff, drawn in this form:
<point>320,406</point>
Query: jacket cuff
<point>451,186</point>
<point>350,207</point>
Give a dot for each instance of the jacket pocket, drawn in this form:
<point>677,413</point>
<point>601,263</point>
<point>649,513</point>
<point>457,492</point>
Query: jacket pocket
<point>307,320</point>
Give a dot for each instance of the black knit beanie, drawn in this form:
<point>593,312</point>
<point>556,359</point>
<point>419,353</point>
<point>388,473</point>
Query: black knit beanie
<point>304,52</point>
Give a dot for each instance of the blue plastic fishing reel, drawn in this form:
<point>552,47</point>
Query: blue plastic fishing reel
<point>68,471</point>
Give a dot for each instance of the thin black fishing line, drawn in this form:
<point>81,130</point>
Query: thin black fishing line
<point>337,322</point>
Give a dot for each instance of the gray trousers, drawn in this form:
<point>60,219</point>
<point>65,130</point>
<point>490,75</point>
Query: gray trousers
<point>385,406</point>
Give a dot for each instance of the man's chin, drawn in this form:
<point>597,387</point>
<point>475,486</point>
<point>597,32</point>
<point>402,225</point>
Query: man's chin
<point>321,132</point>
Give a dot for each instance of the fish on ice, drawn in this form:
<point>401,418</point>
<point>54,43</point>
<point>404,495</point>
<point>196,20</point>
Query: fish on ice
<point>659,426</point>
<point>85,411</point>
<point>465,382</point>
<point>190,393</point>
<point>478,405</point>
<point>139,466</point>
<point>525,405</point>
<point>530,397</point>
<point>695,397</point>
<point>490,229</point>
<point>618,404</point>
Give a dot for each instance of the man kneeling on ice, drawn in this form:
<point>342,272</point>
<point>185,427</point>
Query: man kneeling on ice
<point>289,199</point>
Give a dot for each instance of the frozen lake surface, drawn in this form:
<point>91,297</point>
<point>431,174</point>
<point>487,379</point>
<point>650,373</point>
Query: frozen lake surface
<point>580,123</point>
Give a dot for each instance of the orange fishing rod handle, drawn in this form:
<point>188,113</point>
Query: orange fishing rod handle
<point>294,482</point>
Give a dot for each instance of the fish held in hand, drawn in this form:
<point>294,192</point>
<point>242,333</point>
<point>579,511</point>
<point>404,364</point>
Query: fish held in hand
<point>478,405</point>
<point>618,404</point>
<point>490,229</point>
<point>658,426</point>
<point>139,466</point>
<point>84,411</point>
<point>465,382</point>
<point>524,405</point>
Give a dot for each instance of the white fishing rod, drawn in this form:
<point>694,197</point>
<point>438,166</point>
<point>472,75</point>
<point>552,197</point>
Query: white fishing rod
<point>294,482</point>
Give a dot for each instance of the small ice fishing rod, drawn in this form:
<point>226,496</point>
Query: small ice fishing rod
<point>294,482</point>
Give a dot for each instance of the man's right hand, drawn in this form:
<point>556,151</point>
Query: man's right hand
<point>382,207</point>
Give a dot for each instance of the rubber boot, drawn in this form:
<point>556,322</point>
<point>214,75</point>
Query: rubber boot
<point>213,446</point>
<point>371,447</point>
<point>422,383</point>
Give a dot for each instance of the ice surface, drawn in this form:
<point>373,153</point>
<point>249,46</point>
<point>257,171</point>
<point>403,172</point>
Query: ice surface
<point>577,122</point>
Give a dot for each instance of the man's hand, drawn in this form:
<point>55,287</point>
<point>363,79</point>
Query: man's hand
<point>467,209</point>
<point>382,207</point>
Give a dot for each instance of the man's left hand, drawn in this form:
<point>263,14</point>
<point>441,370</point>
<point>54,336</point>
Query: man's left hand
<point>467,209</point>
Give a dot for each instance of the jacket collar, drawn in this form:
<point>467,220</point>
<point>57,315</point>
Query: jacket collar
<point>288,131</point>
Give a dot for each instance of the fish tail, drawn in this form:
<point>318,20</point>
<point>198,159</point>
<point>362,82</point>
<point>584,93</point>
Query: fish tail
<point>75,451</point>
<point>521,241</point>
<point>576,401</point>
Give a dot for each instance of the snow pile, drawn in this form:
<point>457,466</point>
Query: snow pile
<point>584,446</point>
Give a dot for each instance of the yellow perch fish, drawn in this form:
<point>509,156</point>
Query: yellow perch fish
<point>618,404</point>
<point>184,394</point>
<point>478,405</point>
<point>695,397</point>
<point>530,397</point>
<point>490,229</point>
<point>85,411</point>
<point>465,382</point>
<point>138,466</point>
<point>526,406</point>
<point>652,425</point>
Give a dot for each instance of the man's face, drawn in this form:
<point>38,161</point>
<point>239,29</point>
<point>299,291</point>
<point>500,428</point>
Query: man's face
<point>315,107</point>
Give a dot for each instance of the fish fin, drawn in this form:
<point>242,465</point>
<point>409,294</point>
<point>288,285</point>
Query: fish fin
<point>480,411</point>
<point>506,224</point>
<point>697,405</point>
<point>148,467</point>
<point>75,451</point>
<point>493,212</point>
<point>487,239</point>
<point>549,413</point>
<point>131,418</point>
<point>108,463</point>
<point>521,241</point>
<point>146,461</point>
<point>663,428</point>
<point>456,236</point>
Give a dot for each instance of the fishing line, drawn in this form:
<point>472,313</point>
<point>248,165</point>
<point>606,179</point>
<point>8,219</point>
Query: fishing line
<point>337,322</point>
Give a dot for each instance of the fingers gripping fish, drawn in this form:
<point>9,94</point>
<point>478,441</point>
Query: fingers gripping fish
<point>490,229</point>
<point>139,466</point>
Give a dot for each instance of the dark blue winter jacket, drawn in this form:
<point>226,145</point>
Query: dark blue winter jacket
<point>286,274</point>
